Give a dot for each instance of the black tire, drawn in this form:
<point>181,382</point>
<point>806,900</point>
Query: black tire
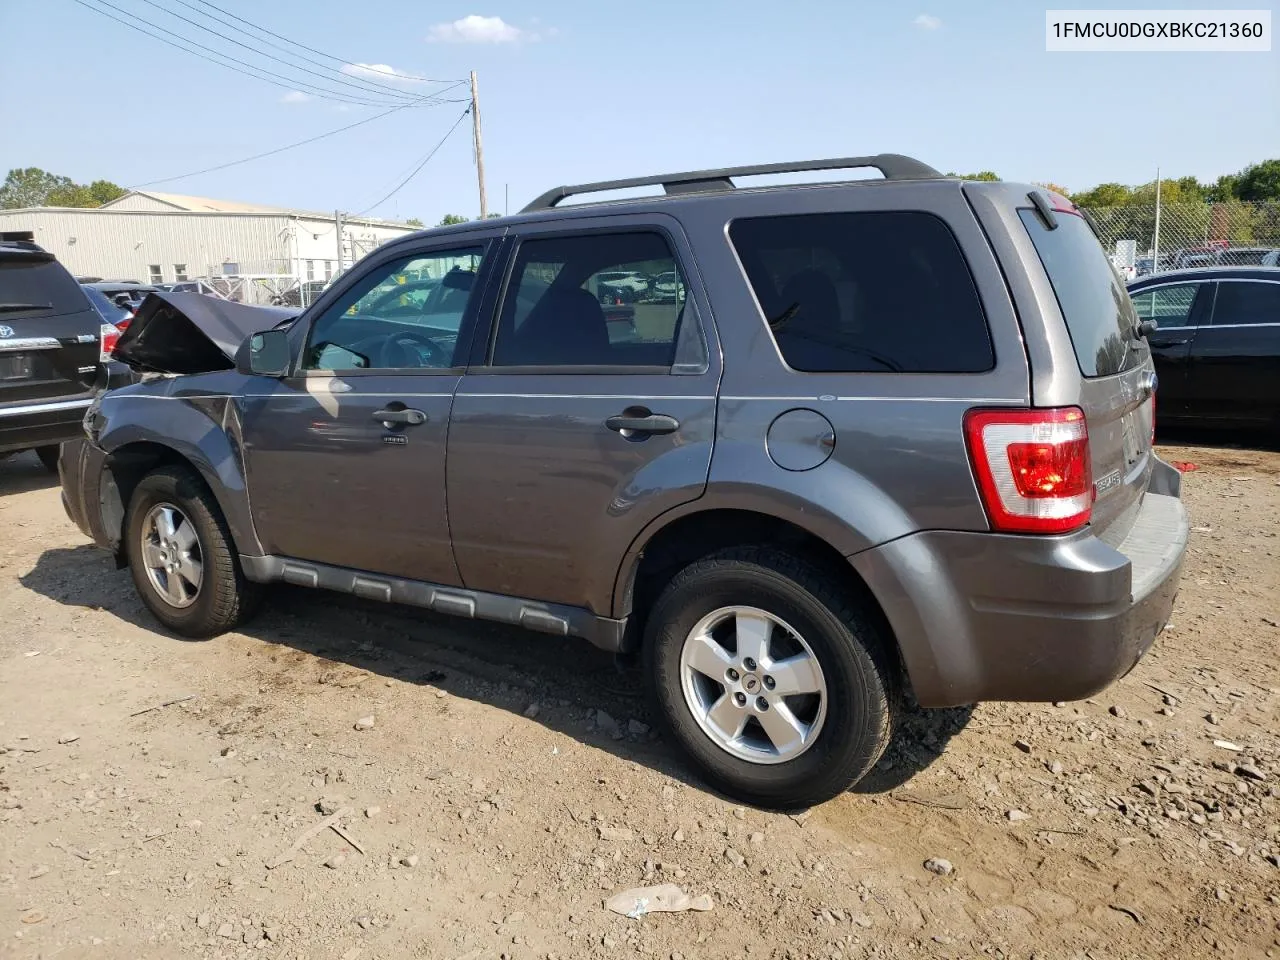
<point>225,599</point>
<point>862,682</point>
<point>49,457</point>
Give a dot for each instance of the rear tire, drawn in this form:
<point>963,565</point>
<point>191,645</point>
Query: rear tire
<point>49,457</point>
<point>202,605</point>
<point>807,615</point>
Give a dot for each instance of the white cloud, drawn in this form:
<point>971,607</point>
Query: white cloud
<point>382,73</point>
<point>294,96</point>
<point>927,21</point>
<point>477,29</point>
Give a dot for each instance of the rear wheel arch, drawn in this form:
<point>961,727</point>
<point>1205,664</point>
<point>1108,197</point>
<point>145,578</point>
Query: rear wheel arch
<point>664,552</point>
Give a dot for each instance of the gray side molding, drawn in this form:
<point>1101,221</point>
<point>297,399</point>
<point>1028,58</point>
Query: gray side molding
<point>554,618</point>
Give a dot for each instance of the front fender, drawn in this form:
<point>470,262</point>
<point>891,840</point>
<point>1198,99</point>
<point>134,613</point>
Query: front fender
<point>204,430</point>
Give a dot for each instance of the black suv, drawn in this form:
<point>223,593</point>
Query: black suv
<point>54,352</point>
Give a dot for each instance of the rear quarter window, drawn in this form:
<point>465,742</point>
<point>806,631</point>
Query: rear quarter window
<point>38,282</point>
<point>865,292</point>
<point>1094,303</point>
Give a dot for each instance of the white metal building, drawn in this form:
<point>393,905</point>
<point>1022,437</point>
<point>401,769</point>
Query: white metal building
<point>164,238</point>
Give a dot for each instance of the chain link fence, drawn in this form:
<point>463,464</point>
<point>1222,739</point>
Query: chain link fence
<point>1189,235</point>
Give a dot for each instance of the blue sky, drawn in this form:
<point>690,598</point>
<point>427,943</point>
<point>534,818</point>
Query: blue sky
<point>592,90</point>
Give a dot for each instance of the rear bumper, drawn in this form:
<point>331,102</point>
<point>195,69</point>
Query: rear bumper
<point>40,423</point>
<point>984,616</point>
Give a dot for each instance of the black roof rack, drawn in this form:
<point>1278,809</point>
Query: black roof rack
<point>892,165</point>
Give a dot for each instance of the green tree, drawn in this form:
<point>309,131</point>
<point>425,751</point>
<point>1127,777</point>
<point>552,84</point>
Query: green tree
<point>29,187</point>
<point>1259,181</point>
<point>33,187</point>
<point>1103,195</point>
<point>414,222</point>
<point>1224,189</point>
<point>980,175</point>
<point>449,219</point>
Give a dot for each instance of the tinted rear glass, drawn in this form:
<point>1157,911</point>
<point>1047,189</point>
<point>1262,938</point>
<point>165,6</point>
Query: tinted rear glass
<point>42,282</point>
<point>1091,296</point>
<point>863,292</point>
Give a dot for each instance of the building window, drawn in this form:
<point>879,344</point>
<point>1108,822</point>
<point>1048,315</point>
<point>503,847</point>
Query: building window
<point>328,270</point>
<point>157,275</point>
<point>179,272</point>
<point>311,269</point>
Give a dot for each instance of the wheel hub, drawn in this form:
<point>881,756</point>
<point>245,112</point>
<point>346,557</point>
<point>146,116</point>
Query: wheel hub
<point>753,684</point>
<point>171,556</point>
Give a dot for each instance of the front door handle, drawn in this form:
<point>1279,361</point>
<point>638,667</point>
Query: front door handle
<point>407,416</point>
<point>648,423</point>
<point>1168,341</point>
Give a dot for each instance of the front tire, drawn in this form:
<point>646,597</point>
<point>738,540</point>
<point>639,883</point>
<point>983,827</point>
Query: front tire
<point>771,676</point>
<point>182,558</point>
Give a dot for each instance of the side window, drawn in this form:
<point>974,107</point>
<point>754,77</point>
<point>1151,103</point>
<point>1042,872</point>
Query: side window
<point>862,292</point>
<point>401,315</point>
<point>1167,306</point>
<point>613,299</point>
<point>1246,302</point>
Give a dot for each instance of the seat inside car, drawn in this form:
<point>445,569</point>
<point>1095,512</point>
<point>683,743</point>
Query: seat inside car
<point>566,327</point>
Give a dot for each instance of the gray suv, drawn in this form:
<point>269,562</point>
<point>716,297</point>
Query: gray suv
<point>890,439</point>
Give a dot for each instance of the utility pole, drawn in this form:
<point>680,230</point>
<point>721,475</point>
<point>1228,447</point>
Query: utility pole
<point>1155,243</point>
<point>479,147</point>
<point>337,222</point>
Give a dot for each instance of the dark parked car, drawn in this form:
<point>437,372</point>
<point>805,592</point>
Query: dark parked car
<point>1217,345</point>
<point>116,313</point>
<point>887,439</point>
<point>54,352</point>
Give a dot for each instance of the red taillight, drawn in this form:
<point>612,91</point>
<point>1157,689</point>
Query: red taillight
<point>1033,468</point>
<point>1153,416</point>
<point>109,335</point>
<point>123,325</point>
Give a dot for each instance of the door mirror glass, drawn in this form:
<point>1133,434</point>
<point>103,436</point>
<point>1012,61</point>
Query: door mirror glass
<point>265,354</point>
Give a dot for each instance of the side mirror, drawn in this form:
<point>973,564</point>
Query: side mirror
<point>265,354</point>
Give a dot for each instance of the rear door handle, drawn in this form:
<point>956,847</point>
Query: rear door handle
<point>651,423</point>
<point>1168,341</point>
<point>409,416</point>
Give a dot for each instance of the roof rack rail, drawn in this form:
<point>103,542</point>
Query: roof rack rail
<point>893,166</point>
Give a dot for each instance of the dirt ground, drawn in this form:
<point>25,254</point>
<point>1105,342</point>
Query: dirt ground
<point>509,783</point>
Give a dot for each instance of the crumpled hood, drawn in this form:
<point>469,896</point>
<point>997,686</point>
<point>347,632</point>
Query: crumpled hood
<point>193,333</point>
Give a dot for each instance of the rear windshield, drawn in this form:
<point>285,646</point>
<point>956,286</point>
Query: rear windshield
<point>37,288</point>
<point>863,292</point>
<point>1094,303</point>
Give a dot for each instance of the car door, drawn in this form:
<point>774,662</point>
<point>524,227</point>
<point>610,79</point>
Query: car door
<point>1235,360</point>
<point>569,432</point>
<point>346,454</point>
<point>1178,310</point>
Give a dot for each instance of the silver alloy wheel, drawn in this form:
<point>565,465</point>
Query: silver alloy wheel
<point>171,555</point>
<point>753,684</point>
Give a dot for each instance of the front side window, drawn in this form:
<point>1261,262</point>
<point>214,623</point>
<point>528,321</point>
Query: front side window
<point>864,292</point>
<point>1167,306</point>
<point>405,314</point>
<point>592,300</point>
<point>1247,302</point>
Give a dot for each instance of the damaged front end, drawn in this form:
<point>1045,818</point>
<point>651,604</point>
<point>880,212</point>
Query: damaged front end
<point>192,333</point>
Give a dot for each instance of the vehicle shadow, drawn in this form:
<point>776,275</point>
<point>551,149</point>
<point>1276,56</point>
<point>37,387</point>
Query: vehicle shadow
<point>22,473</point>
<point>504,667</point>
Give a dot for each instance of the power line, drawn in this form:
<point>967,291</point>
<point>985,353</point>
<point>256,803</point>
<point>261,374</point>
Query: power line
<point>290,146</point>
<point>420,165</point>
<point>321,53</point>
<point>391,95</point>
<point>256,72</point>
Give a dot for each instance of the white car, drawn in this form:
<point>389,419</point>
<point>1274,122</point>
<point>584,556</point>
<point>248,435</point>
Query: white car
<point>626,285</point>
